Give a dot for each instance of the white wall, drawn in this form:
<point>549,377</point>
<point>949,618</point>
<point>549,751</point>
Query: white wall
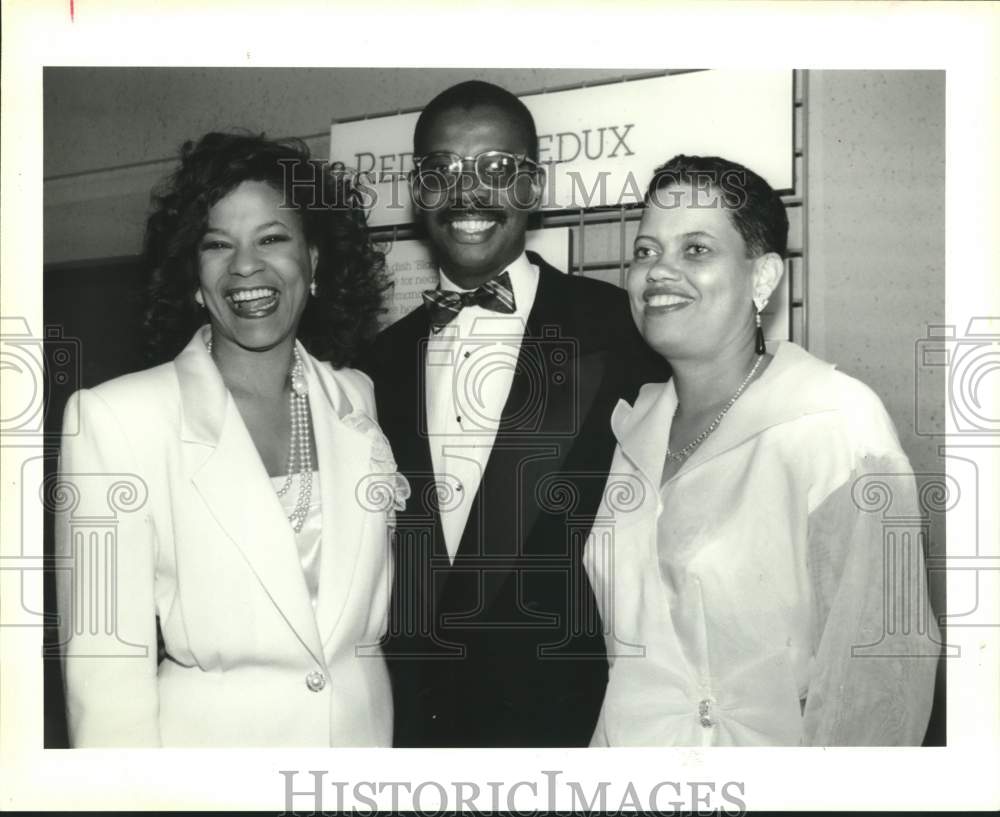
<point>875,236</point>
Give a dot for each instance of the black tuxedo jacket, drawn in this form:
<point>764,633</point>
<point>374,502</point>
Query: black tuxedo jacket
<point>505,647</point>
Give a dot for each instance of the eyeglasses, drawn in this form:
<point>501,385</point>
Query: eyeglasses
<point>497,169</point>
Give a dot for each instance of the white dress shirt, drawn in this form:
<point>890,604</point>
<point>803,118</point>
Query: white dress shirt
<point>469,369</point>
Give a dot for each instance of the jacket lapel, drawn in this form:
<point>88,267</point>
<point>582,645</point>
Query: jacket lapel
<point>228,473</point>
<point>344,462</point>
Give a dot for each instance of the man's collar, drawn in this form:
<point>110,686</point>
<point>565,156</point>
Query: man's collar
<point>520,268</point>
<point>523,280</point>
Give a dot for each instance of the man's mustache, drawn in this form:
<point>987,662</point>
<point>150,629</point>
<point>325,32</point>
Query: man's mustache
<point>448,214</point>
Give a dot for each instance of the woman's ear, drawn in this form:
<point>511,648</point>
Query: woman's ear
<point>313,258</point>
<point>199,298</point>
<point>767,272</point>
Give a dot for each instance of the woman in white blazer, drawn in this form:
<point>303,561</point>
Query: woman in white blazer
<point>757,561</point>
<point>254,491</point>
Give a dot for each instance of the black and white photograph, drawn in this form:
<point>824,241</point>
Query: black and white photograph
<point>386,433</point>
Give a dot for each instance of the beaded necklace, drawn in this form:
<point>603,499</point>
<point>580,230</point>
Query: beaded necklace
<point>299,447</point>
<point>677,456</point>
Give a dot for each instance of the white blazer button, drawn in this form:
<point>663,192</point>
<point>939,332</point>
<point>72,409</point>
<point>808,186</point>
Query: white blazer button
<point>315,680</point>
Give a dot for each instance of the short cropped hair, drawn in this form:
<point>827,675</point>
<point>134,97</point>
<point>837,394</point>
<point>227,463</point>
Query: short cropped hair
<point>349,273</point>
<point>755,210</point>
<point>475,94</point>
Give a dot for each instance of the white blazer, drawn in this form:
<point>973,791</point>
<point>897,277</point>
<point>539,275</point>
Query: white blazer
<point>166,510</point>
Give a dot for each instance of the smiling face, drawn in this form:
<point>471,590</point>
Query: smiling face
<point>477,231</point>
<point>254,268</point>
<point>690,283</point>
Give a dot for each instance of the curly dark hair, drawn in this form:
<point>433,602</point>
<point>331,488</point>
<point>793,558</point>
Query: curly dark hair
<point>350,275</point>
<point>754,208</point>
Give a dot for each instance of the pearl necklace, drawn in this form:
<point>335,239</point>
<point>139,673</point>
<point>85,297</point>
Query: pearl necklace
<point>691,446</point>
<point>299,448</point>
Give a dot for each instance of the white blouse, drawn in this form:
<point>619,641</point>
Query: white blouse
<point>744,601</point>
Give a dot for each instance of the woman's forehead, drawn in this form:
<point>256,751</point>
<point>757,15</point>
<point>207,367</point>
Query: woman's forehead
<point>685,208</point>
<point>250,202</point>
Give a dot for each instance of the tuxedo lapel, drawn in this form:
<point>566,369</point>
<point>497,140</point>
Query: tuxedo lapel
<point>404,410</point>
<point>227,471</point>
<point>554,385</point>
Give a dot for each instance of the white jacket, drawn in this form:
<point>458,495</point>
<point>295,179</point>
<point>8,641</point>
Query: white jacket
<point>195,534</point>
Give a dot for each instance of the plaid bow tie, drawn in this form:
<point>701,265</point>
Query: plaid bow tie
<point>443,305</point>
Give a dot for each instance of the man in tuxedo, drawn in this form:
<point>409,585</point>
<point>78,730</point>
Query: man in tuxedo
<point>496,397</point>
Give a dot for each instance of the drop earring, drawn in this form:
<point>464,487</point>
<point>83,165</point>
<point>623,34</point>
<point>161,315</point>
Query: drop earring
<point>313,288</point>
<point>760,347</point>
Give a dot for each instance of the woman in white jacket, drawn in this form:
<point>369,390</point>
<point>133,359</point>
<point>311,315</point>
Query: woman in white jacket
<point>758,563</point>
<point>254,488</point>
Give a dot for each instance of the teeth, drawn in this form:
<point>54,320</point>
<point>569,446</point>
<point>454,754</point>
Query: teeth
<point>251,294</point>
<point>666,300</point>
<point>472,226</point>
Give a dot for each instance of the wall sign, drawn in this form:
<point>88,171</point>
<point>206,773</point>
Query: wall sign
<point>600,144</point>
